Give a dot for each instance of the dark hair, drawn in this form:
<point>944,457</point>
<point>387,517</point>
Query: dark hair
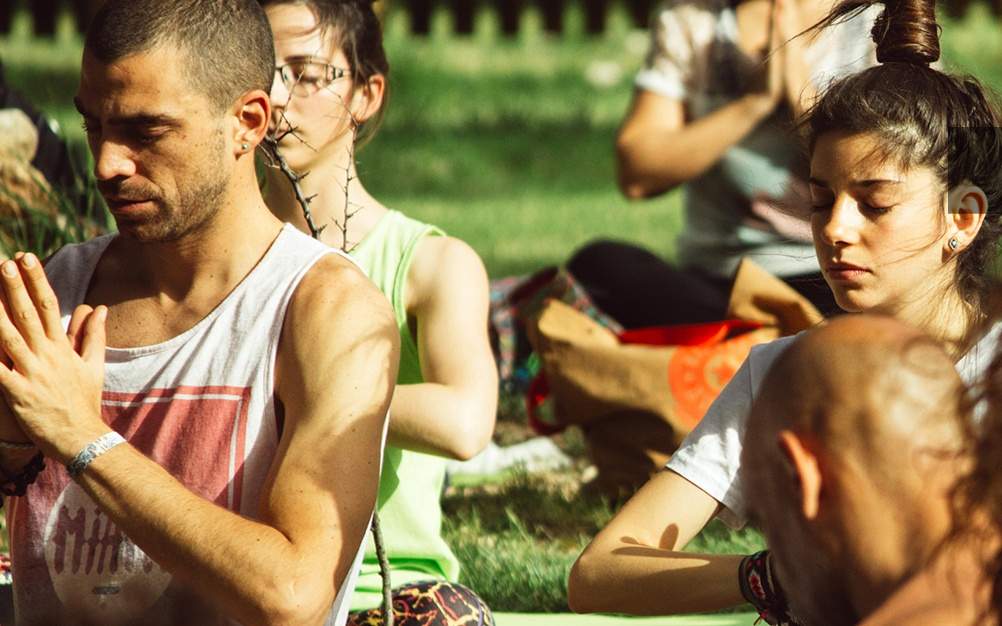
<point>924,117</point>
<point>228,42</point>
<point>357,31</point>
<point>978,496</point>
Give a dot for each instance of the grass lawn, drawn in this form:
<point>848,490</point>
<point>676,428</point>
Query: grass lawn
<point>506,144</point>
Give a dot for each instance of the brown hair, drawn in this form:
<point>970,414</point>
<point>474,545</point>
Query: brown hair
<point>358,32</point>
<point>925,118</point>
<point>978,497</point>
<point>228,42</point>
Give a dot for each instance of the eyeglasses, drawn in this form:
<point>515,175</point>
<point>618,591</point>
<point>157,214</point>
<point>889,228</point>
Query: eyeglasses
<point>305,78</point>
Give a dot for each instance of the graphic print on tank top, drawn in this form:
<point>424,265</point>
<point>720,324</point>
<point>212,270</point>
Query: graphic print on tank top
<point>198,434</point>
<point>203,406</point>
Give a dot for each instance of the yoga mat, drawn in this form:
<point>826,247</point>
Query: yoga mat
<point>571,619</point>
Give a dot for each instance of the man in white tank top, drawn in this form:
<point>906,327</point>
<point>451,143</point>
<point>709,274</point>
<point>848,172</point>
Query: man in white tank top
<point>209,387</point>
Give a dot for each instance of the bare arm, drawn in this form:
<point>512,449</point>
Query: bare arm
<point>657,149</point>
<point>635,564</point>
<point>788,24</point>
<point>335,382</point>
<point>451,413</point>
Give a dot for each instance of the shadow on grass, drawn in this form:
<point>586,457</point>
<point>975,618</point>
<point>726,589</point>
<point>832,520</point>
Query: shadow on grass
<point>517,541</point>
<point>538,506</point>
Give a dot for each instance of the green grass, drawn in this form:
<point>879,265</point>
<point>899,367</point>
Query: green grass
<point>514,552</point>
<point>508,145</point>
<point>517,541</point>
<point>503,143</point>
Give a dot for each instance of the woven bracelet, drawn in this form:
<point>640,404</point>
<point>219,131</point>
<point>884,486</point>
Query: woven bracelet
<point>760,589</point>
<point>91,451</point>
<point>17,484</point>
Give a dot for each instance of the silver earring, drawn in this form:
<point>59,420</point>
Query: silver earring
<point>954,244</point>
<point>245,147</point>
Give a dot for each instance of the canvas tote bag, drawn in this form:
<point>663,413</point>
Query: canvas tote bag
<point>637,394</point>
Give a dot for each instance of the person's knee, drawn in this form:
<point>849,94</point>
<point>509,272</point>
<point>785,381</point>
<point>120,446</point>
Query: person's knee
<point>603,250</point>
<point>432,603</point>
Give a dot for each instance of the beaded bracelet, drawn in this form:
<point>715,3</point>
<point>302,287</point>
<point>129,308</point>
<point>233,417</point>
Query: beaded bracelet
<point>91,451</point>
<point>17,484</point>
<point>762,591</point>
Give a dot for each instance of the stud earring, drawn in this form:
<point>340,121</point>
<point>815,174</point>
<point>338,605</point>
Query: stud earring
<point>954,244</point>
<point>245,146</point>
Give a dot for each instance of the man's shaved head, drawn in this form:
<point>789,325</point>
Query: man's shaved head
<point>850,426</point>
<point>858,383</point>
<point>227,43</point>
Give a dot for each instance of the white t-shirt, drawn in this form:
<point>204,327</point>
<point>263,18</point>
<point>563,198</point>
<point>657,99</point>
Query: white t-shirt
<point>710,457</point>
<point>753,202</point>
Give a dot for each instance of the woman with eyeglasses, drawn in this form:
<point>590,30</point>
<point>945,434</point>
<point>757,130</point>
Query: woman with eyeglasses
<point>328,97</point>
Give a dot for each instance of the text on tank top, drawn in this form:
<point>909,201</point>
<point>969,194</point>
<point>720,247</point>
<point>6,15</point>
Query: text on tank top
<point>202,405</point>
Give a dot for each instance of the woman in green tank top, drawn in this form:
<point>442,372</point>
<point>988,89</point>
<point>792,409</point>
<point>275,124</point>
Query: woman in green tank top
<point>329,88</point>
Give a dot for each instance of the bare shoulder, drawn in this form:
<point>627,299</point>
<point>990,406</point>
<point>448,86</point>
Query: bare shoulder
<point>441,253</point>
<point>444,266</point>
<point>335,309</point>
<point>335,285</point>
<point>933,597</point>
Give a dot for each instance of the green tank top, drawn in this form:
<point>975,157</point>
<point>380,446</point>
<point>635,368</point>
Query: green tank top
<point>411,483</point>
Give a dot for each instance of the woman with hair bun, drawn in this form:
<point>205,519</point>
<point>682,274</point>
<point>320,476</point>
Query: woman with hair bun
<point>905,185</point>
<point>329,93</point>
<point>723,83</point>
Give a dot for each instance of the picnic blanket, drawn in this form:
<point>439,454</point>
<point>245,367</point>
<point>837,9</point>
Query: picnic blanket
<point>571,619</point>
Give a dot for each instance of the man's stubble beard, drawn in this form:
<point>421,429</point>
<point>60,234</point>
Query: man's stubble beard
<point>196,206</point>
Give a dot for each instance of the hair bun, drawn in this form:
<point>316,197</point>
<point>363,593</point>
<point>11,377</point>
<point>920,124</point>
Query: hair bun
<point>907,32</point>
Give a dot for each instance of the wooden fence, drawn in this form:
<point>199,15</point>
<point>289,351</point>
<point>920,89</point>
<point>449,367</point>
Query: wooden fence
<point>463,12</point>
<point>595,12</point>
<point>509,13</point>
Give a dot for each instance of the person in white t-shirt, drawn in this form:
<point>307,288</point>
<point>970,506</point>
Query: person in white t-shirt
<point>712,110</point>
<point>905,164</point>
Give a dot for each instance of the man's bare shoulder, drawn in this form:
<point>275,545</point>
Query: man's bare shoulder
<point>934,597</point>
<point>334,311</point>
<point>927,614</point>
<point>335,289</point>
<point>339,342</point>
